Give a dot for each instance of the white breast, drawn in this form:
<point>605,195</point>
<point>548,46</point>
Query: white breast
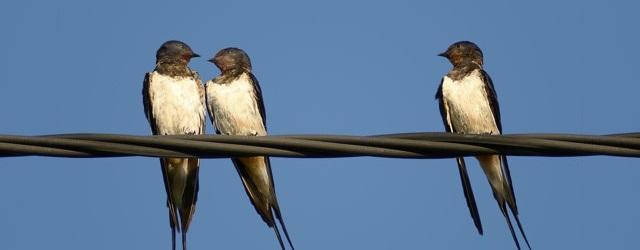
<point>177,104</point>
<point>468,105</point>
<point>234,108</point>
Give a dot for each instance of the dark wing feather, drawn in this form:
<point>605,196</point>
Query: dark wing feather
<point>190,197</point>
<point>203,100</point>
<point>146,102</point>
<point>257,191</point>
<point>462,168</point>
<point>271,202</point>
<point>212,116</point>
<point>262,195</point>
<point>276,209</point>
<point>148,111</point>
<point>259,100</point>
<point>173,210</point>
<point>493,99</point>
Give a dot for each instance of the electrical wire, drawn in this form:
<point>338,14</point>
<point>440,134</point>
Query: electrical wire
<point>426,145</point>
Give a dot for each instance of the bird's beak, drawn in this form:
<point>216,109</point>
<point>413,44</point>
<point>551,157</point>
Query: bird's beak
<point>194,55</point>
<point>212,60</point>
<point>443,54</point>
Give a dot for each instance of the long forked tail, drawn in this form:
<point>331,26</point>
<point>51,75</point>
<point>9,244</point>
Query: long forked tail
<point>180,211</point>
<point>468,194</point>
<point>173,213</point>
<point>503,208</point>
<point>497,170</point>
<point>275,229</point>
<point>511,200</point>
<point>190,197</point>
<point>276,211</point>
<point>257,179</point>
<point>184,240</point>
<point>524,236</point>
<point>172,224</point>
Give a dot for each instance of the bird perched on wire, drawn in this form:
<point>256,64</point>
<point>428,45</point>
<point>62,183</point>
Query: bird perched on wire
<point>174,103</point>
<point>469,105</point>
<point>234,102</point>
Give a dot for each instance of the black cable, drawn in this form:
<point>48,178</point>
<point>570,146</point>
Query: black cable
<point>406,145</point>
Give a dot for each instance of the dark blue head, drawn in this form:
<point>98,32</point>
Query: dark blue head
<point>175,51</point>
<point>463,51</point>
<point>230,59</point>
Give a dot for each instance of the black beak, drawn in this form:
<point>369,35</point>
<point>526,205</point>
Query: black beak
<point>443,54</point>
<point>194,55</point>
<point>212,60</point>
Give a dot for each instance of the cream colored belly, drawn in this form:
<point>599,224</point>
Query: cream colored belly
<point>176,104</point>
<point>468,105</point>
<point>234,107</point>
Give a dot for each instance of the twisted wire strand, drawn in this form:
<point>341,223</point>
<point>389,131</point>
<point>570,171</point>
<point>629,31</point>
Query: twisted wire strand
<point>407,145</point>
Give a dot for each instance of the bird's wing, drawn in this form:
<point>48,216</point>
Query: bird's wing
<point>203,102</point>
<point>462,168</point>
<point>257,178</point>
<point>147,101</point>
<point>492,97</point>
<point>210,108</point>
<point>510,197</point>
<point>259,100</point>
<point>189,196</point>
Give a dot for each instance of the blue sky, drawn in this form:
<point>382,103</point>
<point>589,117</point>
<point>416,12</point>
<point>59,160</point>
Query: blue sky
<point>359,67</point>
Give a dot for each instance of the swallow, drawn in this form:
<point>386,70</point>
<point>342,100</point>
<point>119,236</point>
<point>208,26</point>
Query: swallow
<point>469,105</point>
<point>235,107</point>
<point>174,104</point>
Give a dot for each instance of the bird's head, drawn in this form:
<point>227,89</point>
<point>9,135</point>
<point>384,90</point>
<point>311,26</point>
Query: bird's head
<point>231,59</point>
<point>463,52</point>
<point>175,51</point>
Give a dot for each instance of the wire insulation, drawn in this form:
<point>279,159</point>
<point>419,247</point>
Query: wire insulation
<point>429,145</point>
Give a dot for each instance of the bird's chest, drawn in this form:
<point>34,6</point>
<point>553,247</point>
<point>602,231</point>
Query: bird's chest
<point>177,106</point>
<point>235,108</point>
<point>468,105</point>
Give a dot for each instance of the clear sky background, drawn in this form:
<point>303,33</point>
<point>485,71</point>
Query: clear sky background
<point>335,67</point>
